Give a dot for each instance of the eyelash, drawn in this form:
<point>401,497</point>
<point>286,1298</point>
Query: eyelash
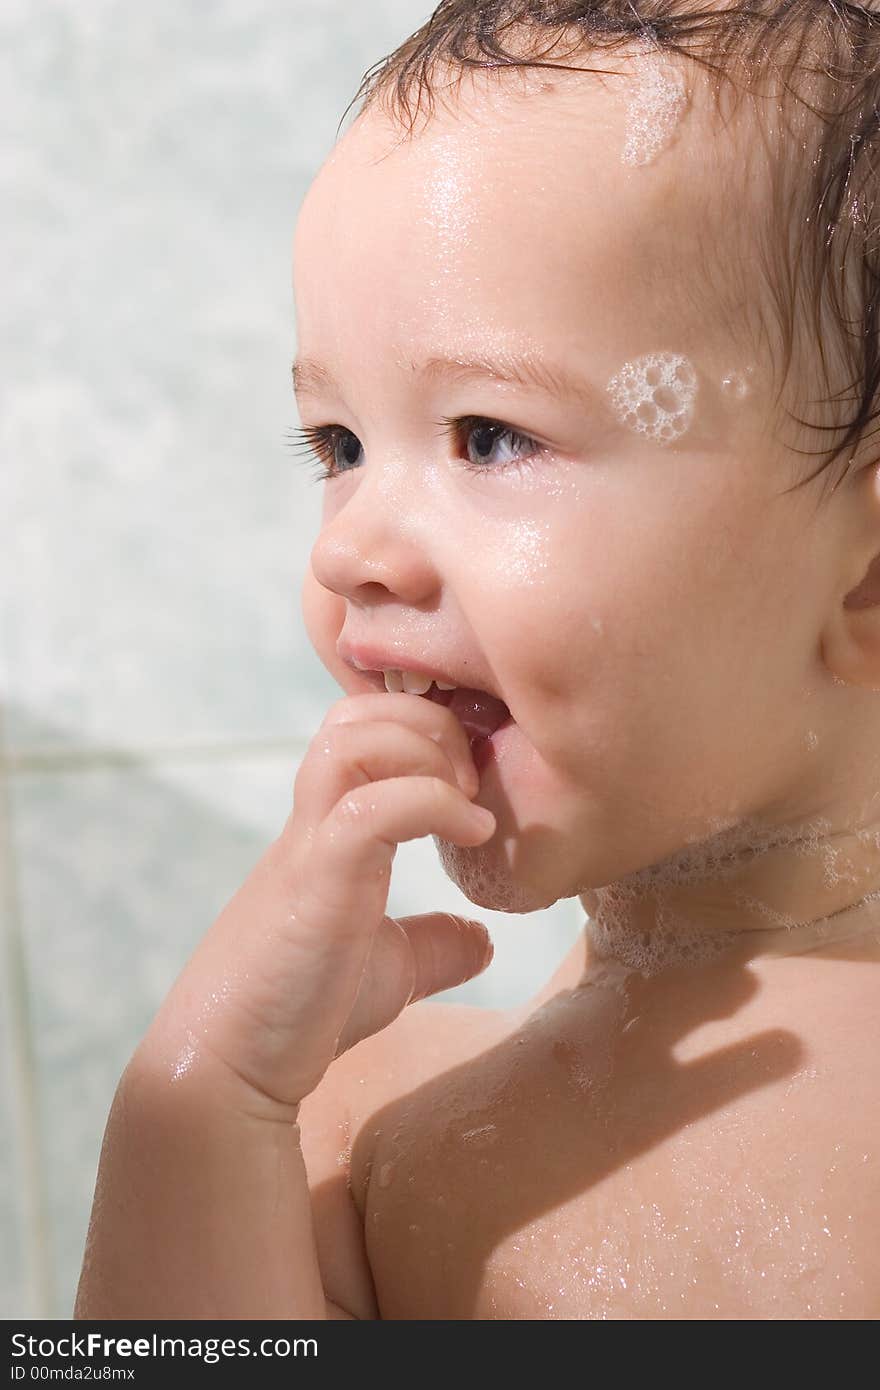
<point>320,442</point>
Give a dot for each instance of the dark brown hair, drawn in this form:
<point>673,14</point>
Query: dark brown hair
<point>825,281</point>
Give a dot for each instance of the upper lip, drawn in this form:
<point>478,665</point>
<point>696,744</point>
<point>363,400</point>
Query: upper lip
<point>363,658</point>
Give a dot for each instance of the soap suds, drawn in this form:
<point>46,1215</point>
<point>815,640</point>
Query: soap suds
<point>674,940</point>
<point>477,873</point>
<point>654,395</point>
<point>658,101</point>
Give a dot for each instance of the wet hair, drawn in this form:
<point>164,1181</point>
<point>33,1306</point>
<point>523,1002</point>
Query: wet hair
<point>823,59</point>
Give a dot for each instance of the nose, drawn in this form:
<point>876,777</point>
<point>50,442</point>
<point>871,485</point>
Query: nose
<point>372,546</point>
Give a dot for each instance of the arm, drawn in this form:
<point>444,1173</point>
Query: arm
<point>201,1210</point>
<point>202,1205</point>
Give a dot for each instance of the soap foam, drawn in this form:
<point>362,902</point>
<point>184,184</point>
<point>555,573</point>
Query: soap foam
<point>654,395</point>
<point>658,100</point>
<point>476,872</point>
<point>674,940</point>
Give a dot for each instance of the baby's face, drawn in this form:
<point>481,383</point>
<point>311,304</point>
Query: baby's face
<point>622,569</point>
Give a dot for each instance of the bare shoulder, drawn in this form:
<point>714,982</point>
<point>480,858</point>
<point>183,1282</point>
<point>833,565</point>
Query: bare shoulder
<point>701,1143</point>
<point>343,1119</point>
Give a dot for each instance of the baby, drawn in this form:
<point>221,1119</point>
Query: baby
<point>567,347</point>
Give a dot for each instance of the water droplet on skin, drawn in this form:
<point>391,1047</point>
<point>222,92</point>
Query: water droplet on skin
<point>737,384</point>
<point>185,1059</point>
<point>386,1173</point>
<point>481,1135</point>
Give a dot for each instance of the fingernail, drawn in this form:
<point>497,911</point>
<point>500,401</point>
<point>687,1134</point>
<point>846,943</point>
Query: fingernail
<point>482,958</point>
<point>490,947</point>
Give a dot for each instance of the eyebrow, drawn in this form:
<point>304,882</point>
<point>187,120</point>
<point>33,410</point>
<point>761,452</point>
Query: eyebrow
<point>310,378</point>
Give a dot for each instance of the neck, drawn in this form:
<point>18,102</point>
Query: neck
<point>758,889</point>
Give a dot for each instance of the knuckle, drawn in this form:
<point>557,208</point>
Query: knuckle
<point>440,790</point>
<point>355,808</point>
<point>336,713</point>
<point>330,742</point>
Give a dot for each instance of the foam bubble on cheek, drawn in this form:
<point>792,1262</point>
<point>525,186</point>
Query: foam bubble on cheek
<point>658,100</point>
<point>655,395</point>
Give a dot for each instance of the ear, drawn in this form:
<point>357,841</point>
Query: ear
<point>851,640</point>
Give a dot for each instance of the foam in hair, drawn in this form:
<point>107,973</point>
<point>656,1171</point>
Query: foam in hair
<point>658,100</point>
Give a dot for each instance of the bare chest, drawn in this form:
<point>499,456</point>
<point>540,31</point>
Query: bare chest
<point>555,1181</point>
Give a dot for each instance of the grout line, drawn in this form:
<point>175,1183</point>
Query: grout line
<point>33,1198</point>
<point>80,759</point>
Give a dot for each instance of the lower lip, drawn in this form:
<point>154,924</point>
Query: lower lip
<point>485,750</point>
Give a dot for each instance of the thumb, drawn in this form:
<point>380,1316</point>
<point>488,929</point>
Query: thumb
<point>447,951</point>
<point>411,958</point>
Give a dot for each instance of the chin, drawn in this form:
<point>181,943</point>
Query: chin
<point>485,880</point>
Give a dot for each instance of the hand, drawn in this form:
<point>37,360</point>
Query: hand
<point>303,962</point>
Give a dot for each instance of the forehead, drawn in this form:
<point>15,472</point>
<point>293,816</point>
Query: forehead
<point>512,213</point>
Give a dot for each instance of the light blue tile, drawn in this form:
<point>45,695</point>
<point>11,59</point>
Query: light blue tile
<point>121,874</point>
<point>18,1297</point>
<point>528,948</point>
<point>151,531</point>
<point>13,1276</point>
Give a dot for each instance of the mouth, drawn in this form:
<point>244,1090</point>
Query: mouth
<point>480,714</point>
<point>483,715</point>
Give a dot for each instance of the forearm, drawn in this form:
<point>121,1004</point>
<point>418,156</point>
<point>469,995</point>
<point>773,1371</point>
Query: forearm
<point>200,1210</point>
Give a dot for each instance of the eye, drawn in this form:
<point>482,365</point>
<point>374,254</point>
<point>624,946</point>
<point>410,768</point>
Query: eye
<point>337,448</point>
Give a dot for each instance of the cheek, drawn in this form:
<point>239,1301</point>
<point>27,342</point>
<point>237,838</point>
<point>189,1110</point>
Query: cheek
<point>628,627</point>
<point>324,616</point>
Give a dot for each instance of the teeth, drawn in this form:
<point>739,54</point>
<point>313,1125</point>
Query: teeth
<point>416,685</point>
<point>408,681</point>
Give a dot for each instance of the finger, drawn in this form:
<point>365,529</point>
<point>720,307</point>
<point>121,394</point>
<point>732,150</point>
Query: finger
<point>411,958</point>
<point>344,756</point>
<point>353,849</point>
<point>312,939</point>
<point>447,951</point>
<point>435,721</point>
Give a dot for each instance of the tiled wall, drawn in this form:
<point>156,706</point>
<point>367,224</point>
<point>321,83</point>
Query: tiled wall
<point>158,688</point>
